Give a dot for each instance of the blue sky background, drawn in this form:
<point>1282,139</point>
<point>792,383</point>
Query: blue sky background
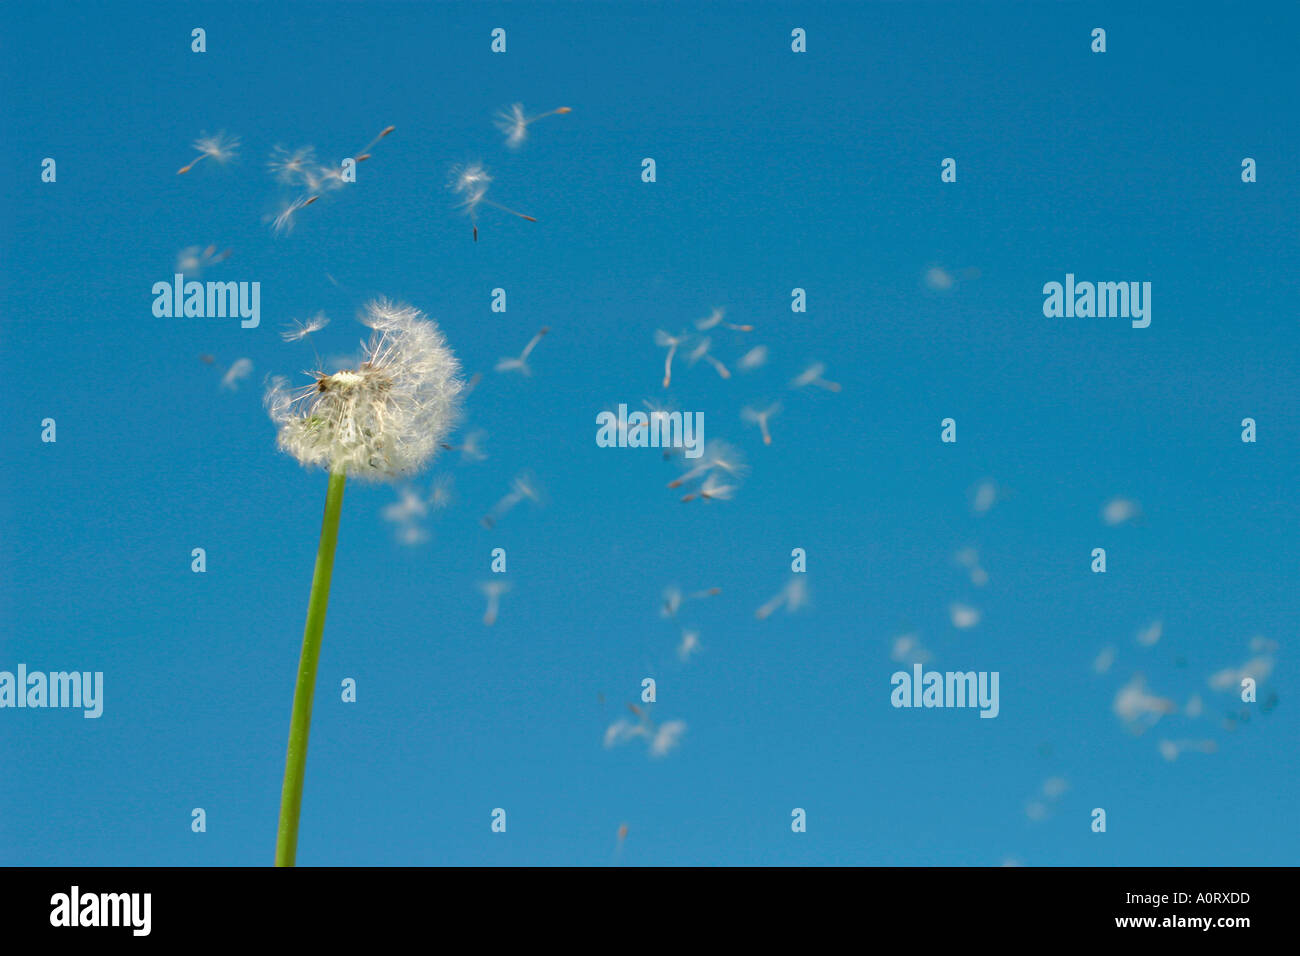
<point>775,171</point>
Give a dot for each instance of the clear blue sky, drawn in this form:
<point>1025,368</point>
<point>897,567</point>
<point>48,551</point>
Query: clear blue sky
<point>775,170</point>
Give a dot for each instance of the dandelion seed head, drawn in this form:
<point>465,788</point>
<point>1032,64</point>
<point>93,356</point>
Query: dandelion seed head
<point>383,420</point>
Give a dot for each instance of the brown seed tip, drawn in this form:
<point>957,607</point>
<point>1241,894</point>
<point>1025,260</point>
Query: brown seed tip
<point>565,109</point>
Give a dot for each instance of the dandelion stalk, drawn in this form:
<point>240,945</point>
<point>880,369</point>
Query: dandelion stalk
<point>381,421</point>
<point>295,764</point>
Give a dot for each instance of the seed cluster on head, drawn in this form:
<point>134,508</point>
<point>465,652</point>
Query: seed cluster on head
<point>384,419</point>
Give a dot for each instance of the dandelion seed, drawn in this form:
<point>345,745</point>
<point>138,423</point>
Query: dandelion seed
<point>236,374</point>
<point>670,342</point>
<point>192,260</point>
<point>812,375</point>
<point>760,419</point>
<point>714,319</point>
<point>523,488</point>
<point>1101,664</point>
<point>940,279</point>
<point>220,148</point>
<point>283,222</point>
<point>297,331</point>
<point>1195,707</point>
<point>1139,709</point>
<point>908,649</point>
<point>969,559</point>
<point>1171,749</point>
<point>521,364</point>
<point>667,737</point>
<point>1257,669</point>
<point>794,596</point>
<point>701,351</point>
<point>411,535</point>
<point>409,506</point>
<point>713,489</point>
<point>717,455</point>
<point>690,645</point>
<point>471,448</point>
<point>963,616</point>
<point>1148,636</point>
<point>386,418</point>
<point>514,123</point>
<point>1119,510</point>
<point>364,153</point>
<point>293,167</point>
<point>493,591</point>
<point>471,182</point>
<point>753,359</point>
<point>986,494</point>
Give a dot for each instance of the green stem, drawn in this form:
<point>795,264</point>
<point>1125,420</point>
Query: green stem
<point>295,764</point>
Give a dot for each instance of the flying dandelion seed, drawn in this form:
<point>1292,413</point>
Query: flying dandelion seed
<point>192,260</point>
<point>690,645</point>
<point>1195,707</point>
<point>939,279</point>
<point>985,496</point>
<point>712,489</point>
<point>514,123</point>
<point>283,222</point>
<point>667,737</point>
<point>493,590</point>
<point>1117,511</point>
<point>364,153</point>
<point>1171,749</point>
<point>963,616</point>
<point>1101,664</point>
<point>471,183</point>
<point>236,374</point>
<point>671,343</point>
<point>794,596</point>
<point>753,359</point>
<point>717,455</point>
<point>297,331</point>
<point>521,364</point>
<point>755,417</point>
<point>1148,636</point>
<point>969,559</point>
<point>293,167</point>
<point>701,351</point>
<point>523,488</point>
<point>386,418</point>
<point>908,649</point>
<point>220,148</point>
<point>813,375</point>
<point>471,447</point>
<point>715,318</point>
<point>1257,669</point>
<point>440,492</point>
<point>1139,709</point>
<point>409,506</point>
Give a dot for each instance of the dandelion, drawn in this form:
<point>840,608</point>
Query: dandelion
<point>521,364</point>
<point>297,331</point>
<point>794,596</point>
<point>701,351</point>
<point>523,488</point>
<point>812,375</point>
<point>380,421</point>
<point>219,148</point>
<point>471,183</point>
<point>671,343</point>
<point>493,590</point>
<point>760,418</point>
<point>753,359</point>
<point>714,319</point>
<point>236,374</point>
<point>514,123</point>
